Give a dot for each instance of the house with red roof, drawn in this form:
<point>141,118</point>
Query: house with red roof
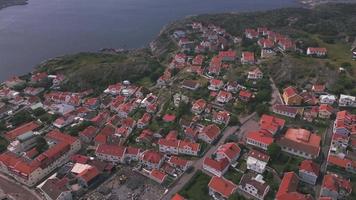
<point>288,188</point>
<point>216,167</point>
<point>221,188</point>
<point>30,172</point>
<point>178,197</point>
<point>251,33</point>
<point>132,153</point>
<point>88,176</point>
<point>199,106</point>
<point>198,60</point>
<point>178,162</point>
<point>190,84</point>
<point>301,142</point>
<point>88,134</point>
<point>175,147</point>
<point>228,56</point>
<point>230,150</point>
<point>286,110</point>
<point>291,97</point>
<point>257,161</point>
<point>223,97</point>
<point>144,120</point>
<point>215,84</point>
<point>28,127</point>
<point>260,139</point>
<point>325,111</point>
<point>286,44</point>
<point>38,77</point>
<point>104,134</point>
<point>151,159</point>
<point>110,153</point>
<point>215,65</point>
<point>33,91</point>
<point>309,171</point>
<point>265,43</point>
<point>255,74</point>
<point>158,176</point>
<point>245,95</point>
<point>221,117</point>
<point>335,186</point>
<point>318,88</point>
<point>146,136</point>
<point>209,133</point>
<point>247,57</point>
<point>271,123</point>
<point>91,103</point>
<point>125,109</point>
<point>317,51</point>
<point>100,119</point>
<point>168,146</point>
<point>169,118</point>
<point>14,81</point>
<point>114,89</point>
<point>188,148</point>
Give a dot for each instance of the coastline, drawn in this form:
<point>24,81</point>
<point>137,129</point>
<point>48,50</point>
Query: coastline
<point>314,3</point>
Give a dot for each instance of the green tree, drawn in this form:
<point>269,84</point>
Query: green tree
<point>262,109</point>
<point>21,117</point>
<point>273,150</point>
<point>39,111</point>
<point>41,145</point>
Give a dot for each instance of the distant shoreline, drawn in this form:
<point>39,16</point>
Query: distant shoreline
<point>9,3</point>
<point>313,3</point>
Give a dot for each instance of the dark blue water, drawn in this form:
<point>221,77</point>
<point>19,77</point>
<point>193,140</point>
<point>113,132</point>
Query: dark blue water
<point>47,28</point>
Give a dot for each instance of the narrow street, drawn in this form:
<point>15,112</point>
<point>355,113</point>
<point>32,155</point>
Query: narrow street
<point>198,165</point>
<point>16,190</point>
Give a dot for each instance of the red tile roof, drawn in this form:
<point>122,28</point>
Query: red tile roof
<point>259,155</point>
<point>260,136</point>
<point>169,117</point>
<point>248,56</point>
<point>290,91</point>
<point>302,140</point>
<point>151,156</point>
<point>288,188</point>
<point>212,131</point>
<point>271,123</point>
<point>89,174</point>
<point>158,175</point>
<point>11,135</point>
<point>222,186</point>
<point>335,183</point>
<point>113,150</point>
<point>177,197</point>
<point>220,165</point>
<point>175,160</point>
<point>230,150</point>
<point>309,166</point>
<point>230,54</point>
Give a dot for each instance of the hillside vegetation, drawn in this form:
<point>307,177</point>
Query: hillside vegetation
<point>97,70</point>
<point>329,25</point>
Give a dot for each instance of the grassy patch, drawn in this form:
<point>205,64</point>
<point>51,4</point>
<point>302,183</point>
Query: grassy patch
<point>233,175</point>
<point>197,187</point>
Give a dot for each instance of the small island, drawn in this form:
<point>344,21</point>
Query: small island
<point>230,106</point>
